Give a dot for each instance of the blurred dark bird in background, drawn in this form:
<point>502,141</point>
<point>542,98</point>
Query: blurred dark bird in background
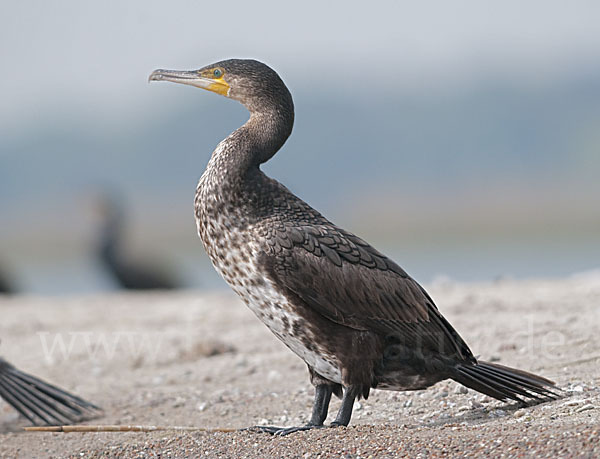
<point>356,318</point>
<point>127,272</point>
<point>40,402</point>
<point>7,286</point>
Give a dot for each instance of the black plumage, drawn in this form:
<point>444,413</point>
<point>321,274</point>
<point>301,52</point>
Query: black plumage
<point>6,284</point>
<point>354,316</point>
<point>39,401</point>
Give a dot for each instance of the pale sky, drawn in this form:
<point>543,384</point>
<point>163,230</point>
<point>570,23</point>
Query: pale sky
<point>61,55</point>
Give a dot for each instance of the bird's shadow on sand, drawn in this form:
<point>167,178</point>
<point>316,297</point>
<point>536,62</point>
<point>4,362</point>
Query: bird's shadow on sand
<point>480,416</point>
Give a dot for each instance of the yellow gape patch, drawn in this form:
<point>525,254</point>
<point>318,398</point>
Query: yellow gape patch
<point>220,86</point>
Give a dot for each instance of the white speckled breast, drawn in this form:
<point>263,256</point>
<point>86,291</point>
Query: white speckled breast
<point>229,243</point>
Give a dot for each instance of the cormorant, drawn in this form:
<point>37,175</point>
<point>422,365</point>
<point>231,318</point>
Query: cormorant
<point>128,273</point>
<point>6,286</point>
<point>40,402</point>
<point>356,318</point>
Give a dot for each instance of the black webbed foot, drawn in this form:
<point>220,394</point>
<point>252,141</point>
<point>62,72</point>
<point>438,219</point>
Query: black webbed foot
<point>322,397</point>
<point>319,413</point>
<point>337,424</point>
<point>281,431</point>
<point>265,429</point>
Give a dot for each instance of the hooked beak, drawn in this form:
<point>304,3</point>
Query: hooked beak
<point>191,78</point>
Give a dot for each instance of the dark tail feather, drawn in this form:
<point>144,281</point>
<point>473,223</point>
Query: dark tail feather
<point>505,383</point>
<point>40,402</point>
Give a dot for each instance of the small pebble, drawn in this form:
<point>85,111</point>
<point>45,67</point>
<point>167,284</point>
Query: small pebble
<point>587,407</point>
<point>475,404</point>
<point>519,413</point>
<point>202,406</point>
<point>572,402</point>
<point>430,415</point>
<point>461,390</point>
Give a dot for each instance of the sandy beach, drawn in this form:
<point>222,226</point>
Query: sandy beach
<point>202,359</point>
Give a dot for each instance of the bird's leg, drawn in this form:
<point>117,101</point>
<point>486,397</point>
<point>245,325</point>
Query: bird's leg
<point>319,413</point>
<point>345,412</point>
<point>321,405</point>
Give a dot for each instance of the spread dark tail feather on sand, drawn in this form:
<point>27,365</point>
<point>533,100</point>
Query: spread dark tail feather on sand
<point>505,383</point>
<point>40,402</point>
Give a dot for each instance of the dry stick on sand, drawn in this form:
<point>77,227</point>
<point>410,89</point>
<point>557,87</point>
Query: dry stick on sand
<point>118,428</point>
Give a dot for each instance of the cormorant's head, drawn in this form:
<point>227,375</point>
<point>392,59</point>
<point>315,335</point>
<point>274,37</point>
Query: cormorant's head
<point>248,81</point>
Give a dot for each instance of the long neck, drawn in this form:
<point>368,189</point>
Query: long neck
<point>252,144</point>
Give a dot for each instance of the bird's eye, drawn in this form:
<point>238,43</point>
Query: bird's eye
<point>218,73</point>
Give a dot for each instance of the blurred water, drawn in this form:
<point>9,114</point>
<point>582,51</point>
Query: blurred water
<point>462,262</point>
